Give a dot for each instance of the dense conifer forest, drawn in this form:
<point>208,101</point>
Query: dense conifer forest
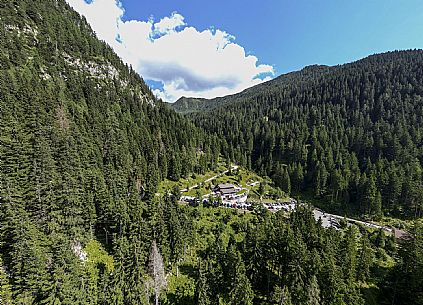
<point>84,145</point>
<point>350,135</point>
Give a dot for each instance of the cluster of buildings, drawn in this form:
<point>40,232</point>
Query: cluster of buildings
<point>230,193</point>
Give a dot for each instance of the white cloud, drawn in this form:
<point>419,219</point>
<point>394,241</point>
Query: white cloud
<point>188,62</point>
<point>170,24</point>
<point>104,16</point>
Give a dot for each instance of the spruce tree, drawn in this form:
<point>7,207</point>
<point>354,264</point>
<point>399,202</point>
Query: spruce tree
<point>203,293</point>
<point>241,292</point>
<point>5,287</point>
<point>281,296</point>
<point>313,292</point>
<point>364,259</point>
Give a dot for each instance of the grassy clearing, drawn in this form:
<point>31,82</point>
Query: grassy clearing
<point>189,181</point>
<point>241,177</point>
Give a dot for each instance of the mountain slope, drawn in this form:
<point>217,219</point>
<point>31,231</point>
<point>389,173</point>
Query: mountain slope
<point>83,145</point>
<point>187,105</point>
<point>349,134</point>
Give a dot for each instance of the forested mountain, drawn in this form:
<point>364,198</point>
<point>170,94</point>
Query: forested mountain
<point>189,105</point>
<point>84,145</point>
<point>350,134</point>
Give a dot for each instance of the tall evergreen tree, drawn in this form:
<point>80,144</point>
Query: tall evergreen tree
<point>5,287</point>
<point>203,293</point>
<point>241,292</point>
<point>313,295</point>
<point>365,259</point>
<point>281,296</point>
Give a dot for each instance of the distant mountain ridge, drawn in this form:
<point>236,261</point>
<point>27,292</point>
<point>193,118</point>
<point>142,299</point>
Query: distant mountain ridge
<point>311,73</point>
<point>186,105</point>
<point>190,104</point>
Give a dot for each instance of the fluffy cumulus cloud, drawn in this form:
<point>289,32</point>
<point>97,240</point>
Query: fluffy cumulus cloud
<point>183,59</point>
<point>169,24</point>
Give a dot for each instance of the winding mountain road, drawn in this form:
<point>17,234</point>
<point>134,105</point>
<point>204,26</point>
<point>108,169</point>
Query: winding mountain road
<point>331,220</point>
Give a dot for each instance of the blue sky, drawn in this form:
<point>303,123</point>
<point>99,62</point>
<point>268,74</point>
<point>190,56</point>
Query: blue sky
<point>293,34</point>
<point>283,35</point>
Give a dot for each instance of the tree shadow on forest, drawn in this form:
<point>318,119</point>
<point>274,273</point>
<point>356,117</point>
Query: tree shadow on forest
<point>174,298</point>
<point>188,270</point>
<point>371,295</point>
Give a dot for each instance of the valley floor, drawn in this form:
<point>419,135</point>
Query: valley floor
<point>200,192</point>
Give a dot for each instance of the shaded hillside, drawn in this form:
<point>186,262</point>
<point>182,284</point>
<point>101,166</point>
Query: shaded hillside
<point>350,134</point>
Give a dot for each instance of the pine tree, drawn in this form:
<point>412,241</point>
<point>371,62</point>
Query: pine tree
<point>298,177</point>
<point>377,207</point>
<point>286,181</point>
<point>349,251</point>
<point>281,296</point>
<point>370,198</point>
<point>364,260</point>
<point>313,295</point>
<point>203,293</point>
<point>241,292</point>
<point>5,287</point>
